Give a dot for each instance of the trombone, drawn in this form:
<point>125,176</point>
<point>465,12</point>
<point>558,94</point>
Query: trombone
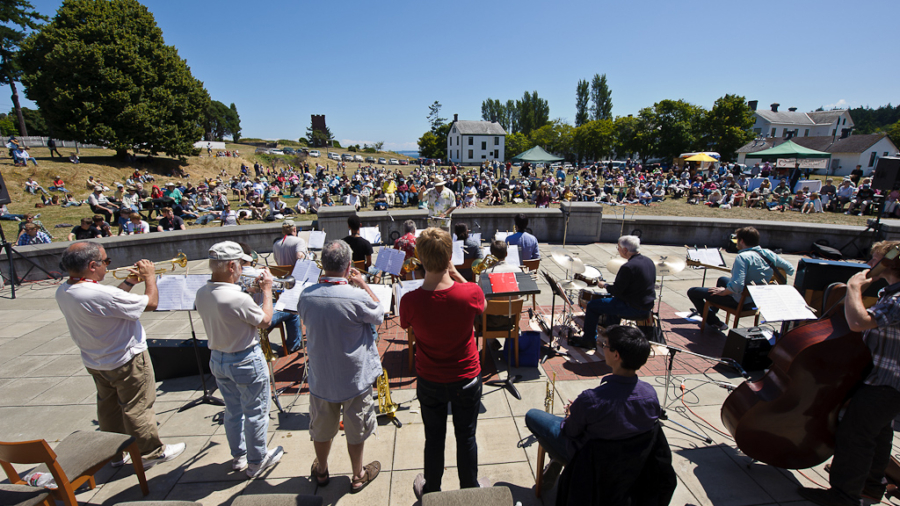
<point>124,272</point>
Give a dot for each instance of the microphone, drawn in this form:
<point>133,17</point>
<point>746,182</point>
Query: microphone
<point>477,225</point>
<point>391,217</point>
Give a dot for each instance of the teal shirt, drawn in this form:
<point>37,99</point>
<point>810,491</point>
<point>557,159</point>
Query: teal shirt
<point>750,268</point>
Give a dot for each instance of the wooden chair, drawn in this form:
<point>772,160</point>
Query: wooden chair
<point>738,312</point>
<point>532,264</point>
<point>360,265</point>
<point>501,307</point>
<point>76,459</point>
<point>411,343</point>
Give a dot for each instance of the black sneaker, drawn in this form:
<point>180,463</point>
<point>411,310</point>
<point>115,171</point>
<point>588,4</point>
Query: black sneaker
<point>551,474</point>
<point>824,497</point>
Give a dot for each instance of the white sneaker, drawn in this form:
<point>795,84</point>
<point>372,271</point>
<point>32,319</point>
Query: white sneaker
<point>126,459</point>
<point>239,463</point>
<point>170,453</point>
<point>272,457</point>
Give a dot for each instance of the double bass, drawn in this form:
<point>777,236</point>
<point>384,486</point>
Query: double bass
<point>789,417</point>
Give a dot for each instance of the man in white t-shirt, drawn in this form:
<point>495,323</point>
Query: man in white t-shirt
<point>104,323</point>
<point>289,248</point>
<point>231,319</point>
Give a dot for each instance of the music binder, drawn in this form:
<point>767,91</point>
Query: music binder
<point>504,282</point>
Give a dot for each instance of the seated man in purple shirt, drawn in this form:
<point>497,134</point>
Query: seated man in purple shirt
<point>621,407</point>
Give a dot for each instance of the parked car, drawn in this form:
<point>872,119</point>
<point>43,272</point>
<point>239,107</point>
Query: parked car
<point>404,162</point>
<point>382,161</point>
<point>334,156</point>
<point>358,158</point>
<point>567,166</point>
<point>393,161</point>
<point>347,157</point>
<point>288,151</point>
<point>276,151</point>
<point>370,159</point>
<point>262,151</point>
<point>314,153</point>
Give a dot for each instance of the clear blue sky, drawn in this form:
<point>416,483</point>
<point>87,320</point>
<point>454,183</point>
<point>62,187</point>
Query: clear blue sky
<point>373,68</point>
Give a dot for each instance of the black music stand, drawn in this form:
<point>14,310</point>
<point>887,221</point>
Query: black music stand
<point>13,277</point>
<point>207,397</point>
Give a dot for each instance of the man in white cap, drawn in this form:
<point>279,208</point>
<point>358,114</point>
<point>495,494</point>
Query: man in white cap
<point>441,201</point>
<point>231,319</point>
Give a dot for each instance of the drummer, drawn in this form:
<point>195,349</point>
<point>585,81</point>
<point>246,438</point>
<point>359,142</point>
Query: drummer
<point>632,293</point>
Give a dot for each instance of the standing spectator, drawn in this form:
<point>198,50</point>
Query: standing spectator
<point>231,319</point>
<point>340,321</point>
<point>33,235</point>
<point>856,174</point>
<point>441,313</point>
<point>52,145</point>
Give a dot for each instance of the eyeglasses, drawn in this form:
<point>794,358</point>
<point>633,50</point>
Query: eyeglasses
<point>603,344</point>
<point>106,261</point>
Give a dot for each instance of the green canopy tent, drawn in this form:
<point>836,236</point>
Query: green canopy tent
<point>788,149</point>
<point>537,155</point>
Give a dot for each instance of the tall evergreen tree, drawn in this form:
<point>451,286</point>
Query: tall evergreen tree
<point>16,18</point>
<point>101,74</point>
<point>582,97</point>
<point>601,98</point>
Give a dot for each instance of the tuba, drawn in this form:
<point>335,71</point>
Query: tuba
<point>484,264</point>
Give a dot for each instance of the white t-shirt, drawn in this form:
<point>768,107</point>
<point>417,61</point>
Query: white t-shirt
<point>229,316</point>
<point>141,228</point>
<point>230,218</point>
<point>103,322</point>
<point>286,249</point>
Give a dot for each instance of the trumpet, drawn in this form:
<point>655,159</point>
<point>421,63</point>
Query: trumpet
<point>124,272</point>
<point>410,264</point>
<point>485,264</point>
<point>248,280</point>
<point>548,397</point>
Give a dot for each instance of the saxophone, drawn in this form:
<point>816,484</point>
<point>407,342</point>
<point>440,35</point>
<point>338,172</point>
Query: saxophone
<point>385,405</point>
<point>266,346</point>
<point>548,397</point>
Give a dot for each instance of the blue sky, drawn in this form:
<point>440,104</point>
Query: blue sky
<point>373,68</point>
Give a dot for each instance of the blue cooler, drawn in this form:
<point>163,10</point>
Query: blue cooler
<point>529,349</point>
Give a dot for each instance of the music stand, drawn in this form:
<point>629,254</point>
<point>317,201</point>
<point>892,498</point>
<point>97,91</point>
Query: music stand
<point>207,397</point>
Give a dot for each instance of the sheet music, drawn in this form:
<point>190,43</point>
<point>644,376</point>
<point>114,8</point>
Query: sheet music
<point>708,256</point>
<point>371,234</point>
<point>458,254</point>
<point>384,293</point>
<point>501,236</point>
<point>476,236</point>
<point>316,239</point>
<point>177,292</point>
<point>390,260</point>
<point>512,254</point>
<point>401,290</point>
<point>779,303</point>
<point>289,299</point>
<point>306,271</point>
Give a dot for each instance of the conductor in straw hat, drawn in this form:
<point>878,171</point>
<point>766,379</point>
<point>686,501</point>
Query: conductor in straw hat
<point>441,201</point>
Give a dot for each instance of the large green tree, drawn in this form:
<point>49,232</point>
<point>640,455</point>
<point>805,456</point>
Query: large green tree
<point>434,144</point>
<point>670,127</point>
<point>34,122</point>
<point>595,140</point>
<point>534,112</point>
<point>893,133</point>
<point>556,137</point>
<point>601,98</point>
<point>582,99</point>
<point>234,123</point>
<point>434,117</point>
<point>220,121</point>
<point>492,110</point>
<point>726,127</point>
<point>102,74</point>
<point>16,18</point>
<point>517,143</point>
<point>633,136</point>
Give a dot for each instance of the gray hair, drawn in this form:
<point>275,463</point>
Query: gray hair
<point>336,256</point>
<point>220,267</point>
<point>632,243</point>
<point>409,227</point>
<point>79,256</point>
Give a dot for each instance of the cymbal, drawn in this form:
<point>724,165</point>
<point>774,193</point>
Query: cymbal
<point>614,264</point>
<point>572,284</point>
<point>567,261</point>
<point>666,266</point>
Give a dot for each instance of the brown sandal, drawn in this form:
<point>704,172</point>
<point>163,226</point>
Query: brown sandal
<point>314,472</point>
<point>371,472</point>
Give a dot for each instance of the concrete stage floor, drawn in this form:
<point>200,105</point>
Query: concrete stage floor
<point>48,394</point>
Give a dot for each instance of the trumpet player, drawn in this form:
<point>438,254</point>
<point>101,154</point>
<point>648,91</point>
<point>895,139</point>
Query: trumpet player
<point>231,319</point>
<point>104,323</point>
<point>344,362</point>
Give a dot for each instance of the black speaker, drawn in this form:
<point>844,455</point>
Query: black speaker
<point>816,275</point>
<point>4,192</point>
<point>887,174</point>
<point>174,358</point>
<point>748,347</point>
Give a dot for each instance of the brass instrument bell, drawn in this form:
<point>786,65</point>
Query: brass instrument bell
<point>124,272</point>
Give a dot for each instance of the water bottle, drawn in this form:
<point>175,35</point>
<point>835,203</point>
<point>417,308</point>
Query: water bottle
<point>41,480</point>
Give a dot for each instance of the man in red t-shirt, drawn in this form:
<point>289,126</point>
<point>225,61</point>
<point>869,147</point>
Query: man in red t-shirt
<point>442,313</point>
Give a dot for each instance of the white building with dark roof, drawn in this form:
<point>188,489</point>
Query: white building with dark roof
<point>775,123</point>
<point>846,153</point>
<point>474,142</point>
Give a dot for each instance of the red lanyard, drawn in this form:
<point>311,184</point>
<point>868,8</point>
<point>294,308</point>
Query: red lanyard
<point>332,281</point>
<point>78,280</point>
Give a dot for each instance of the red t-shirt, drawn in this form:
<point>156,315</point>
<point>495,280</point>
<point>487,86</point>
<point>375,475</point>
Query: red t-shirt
<point>443,320</point>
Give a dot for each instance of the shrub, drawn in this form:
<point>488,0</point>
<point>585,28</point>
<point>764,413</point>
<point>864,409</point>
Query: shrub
<point>335,144</point>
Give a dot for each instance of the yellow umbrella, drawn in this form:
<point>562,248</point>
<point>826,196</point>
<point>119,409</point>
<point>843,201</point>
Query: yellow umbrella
<point>700,157</point>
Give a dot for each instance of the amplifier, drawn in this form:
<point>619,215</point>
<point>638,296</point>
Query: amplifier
<point>748,347</point>
<point>175,358</point>
<point>816,275</point>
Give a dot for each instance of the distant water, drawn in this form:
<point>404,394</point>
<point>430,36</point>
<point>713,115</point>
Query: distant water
<point>411,154</point>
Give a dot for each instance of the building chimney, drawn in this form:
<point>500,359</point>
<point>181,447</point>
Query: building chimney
<point>775,107</point>
<point>752,105</point>
<point>455,118</point>
<point>845,132</point>
<point>792,109</point>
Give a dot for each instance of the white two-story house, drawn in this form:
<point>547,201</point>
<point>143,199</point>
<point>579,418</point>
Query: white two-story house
<point>775,123</point>
<point>473,142</point>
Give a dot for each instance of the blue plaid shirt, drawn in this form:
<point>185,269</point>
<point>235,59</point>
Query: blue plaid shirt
<point>26,239</point>
<point>884,340</point>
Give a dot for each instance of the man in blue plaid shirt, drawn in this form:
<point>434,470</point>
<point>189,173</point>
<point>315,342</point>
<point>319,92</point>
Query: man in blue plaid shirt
<point>33,235</point>
<point>864,434</point>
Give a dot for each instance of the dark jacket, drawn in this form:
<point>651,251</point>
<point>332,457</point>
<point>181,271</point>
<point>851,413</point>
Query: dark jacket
<point>634,283</point>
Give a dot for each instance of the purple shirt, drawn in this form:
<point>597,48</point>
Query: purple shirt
<point>619,408</point>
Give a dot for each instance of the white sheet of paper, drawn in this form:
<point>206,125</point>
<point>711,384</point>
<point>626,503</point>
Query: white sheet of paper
<point>708,256</point>
<point>384,293</point>
<point>458,253</point>
<point>316,239</point>
<point>501,236</point>
<point>192,283</point>
<point>512,255</point>
<point>371,234</point>
<point>390,260</point>
<point>476,236</point>
<point>779,303</point>
<point>401,290</point>
<point>289,299</point>
<point>171,292</point>
<point>306,271</point>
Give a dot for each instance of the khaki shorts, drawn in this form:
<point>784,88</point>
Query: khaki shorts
<point>325,418</point>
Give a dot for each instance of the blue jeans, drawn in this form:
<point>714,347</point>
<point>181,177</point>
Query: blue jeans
<point>464,398</point>
<point>404,197</point>
<point>206,218</point>
<point>614,308</point>
<point>546,428</point>
<point>243,379</point>
<point>291,328</point>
